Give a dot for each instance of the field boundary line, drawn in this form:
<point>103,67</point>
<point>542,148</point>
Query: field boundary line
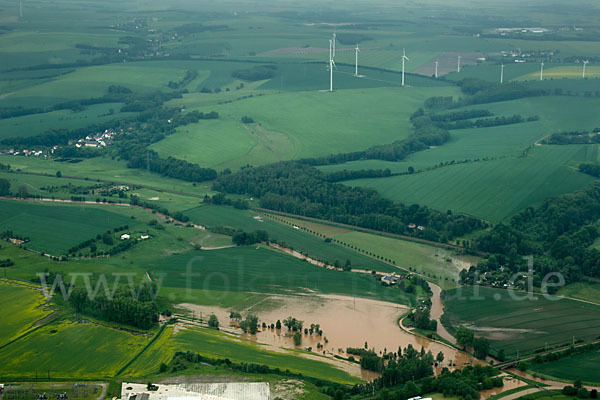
<point>364,230</point>
<point>35,329</point>
<point>135,357</point>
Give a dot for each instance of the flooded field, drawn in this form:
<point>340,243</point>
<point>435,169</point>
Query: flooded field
<point>345,322</point>
<point>510,382</point>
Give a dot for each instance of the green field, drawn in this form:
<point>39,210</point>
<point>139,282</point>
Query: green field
<point>165,240</point>
<point>54,228</point>
<point>300,241</point>
<point>295,125</point>
<point>520,325</point>
<point>257,269</point>
<point>218,345</point>
<point>432,262</point>
<point>581,366</point>
<point>75,50</point>
<point>502,182</point>
<point>214,344</point>
<point>94,81</point>
<point>492,190</point>
<point>36,124</point>
<point>565,72</point>
<point>91,169</point>
<point>26,307</point>
<point>68,350</point>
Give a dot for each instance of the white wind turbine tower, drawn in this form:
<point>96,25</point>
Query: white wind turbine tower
<point>436,69</point>
<point>356,64</point>
<point>542,72</point>
<point>458,69</point>
<point>334,37</point>
<point>585,63</point>
<point>502,74</point>
<point>331,64</point>
<point>404,58</point>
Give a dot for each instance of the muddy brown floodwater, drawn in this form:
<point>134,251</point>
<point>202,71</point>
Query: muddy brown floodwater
<point>345,321</point>
<point>510,382</point>
<point>437,310</point>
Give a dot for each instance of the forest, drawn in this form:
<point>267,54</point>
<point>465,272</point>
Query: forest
<point>558,234</point>
<point>303,190</point>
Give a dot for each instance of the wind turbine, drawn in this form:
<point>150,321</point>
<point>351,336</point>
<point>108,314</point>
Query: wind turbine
<point>502,74</point>
<point>585,63</point>
<point>334,37</point>
<point>404,58</point>
<point>436,69</point>
<point>458,63</point>
<point>542,72</point>
<point>331,65</point>
<point>356,65</point>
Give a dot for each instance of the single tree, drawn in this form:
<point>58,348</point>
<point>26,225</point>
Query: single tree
<point>481,346</point>
<point>440,357</point>
<point>464,336</point>
<point>213,321</point>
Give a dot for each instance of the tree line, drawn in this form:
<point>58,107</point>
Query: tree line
<point>486,122</point>
<point>590,169</point>
<point>575,137</point>
<point>255,73</point>
<point>304,190</point>
<point>346,175</point>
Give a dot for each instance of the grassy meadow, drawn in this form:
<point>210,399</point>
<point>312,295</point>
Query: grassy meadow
<point>587,291</point>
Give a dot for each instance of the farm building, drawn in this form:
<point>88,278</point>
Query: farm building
<point>390,279</point>
<point>144,236</point>
<point>91,143</point>
<point>197,391</point>
<point>125,236</point>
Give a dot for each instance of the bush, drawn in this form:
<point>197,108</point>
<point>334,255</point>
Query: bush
<point>297,339</point>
